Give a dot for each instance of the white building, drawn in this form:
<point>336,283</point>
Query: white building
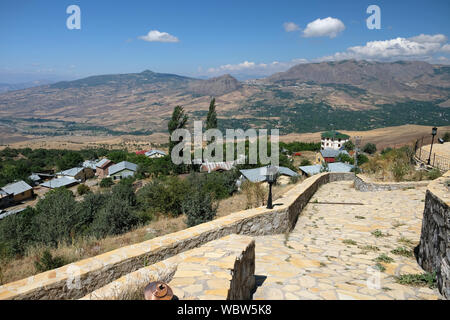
<point>333,140</point>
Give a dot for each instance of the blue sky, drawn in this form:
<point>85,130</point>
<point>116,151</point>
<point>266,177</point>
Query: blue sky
<point>209,38</point>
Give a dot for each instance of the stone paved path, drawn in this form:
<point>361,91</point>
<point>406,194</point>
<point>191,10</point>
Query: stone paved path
<point>330,254</point>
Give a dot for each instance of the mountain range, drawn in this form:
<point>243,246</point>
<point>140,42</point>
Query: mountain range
<point>349,94</point>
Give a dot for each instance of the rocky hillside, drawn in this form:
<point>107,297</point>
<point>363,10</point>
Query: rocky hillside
<point>352,95</point>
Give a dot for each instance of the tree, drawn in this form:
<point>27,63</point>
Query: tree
<point>18,231</point>
<point>178,121</point>
<point>57,214</point>
<point>82,189</point>
<point>48,262</point>
<point>349,146</point>
<point>305,162</point>
<point>70,160</point>
<point>324,167</point>
<point>198,207</point>
<point>106,183</point>
<point>446,137</point>
<point>211,118</point>
<point>370,148</point>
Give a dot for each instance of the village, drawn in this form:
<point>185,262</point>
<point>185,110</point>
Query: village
<point>16,196</point>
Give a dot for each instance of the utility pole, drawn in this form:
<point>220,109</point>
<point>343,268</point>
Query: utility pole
<point>357,145</point>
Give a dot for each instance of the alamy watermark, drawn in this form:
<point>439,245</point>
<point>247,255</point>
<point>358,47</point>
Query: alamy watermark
<point>235,140</point>
<point>74,20</point>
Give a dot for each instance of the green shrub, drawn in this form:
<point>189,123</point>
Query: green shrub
<point>362,158</point>
<point>294,179</point>
<point>82,189</point>
<point>369,148</point>
<point>17,232</point>
<point>56,217</point>
<point>48,262</point>
<point>198,207</point>
<point>434,174</point>
<point>163,195</point>
<point>446,137</point>
<point>384,258</point>
<point>420,280</point>
<point>349,146</point>
<point>305,162</point>
<point>115,217</point>
<point>106,183</point>
<point>342,157</point>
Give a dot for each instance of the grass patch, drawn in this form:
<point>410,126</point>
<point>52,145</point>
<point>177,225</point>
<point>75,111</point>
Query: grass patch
<point>369,248</point>
<point>402,251</point>
<point>349,242</point>
<point>397,224</point>
<point>378,234</point>
<point>384,258</point>
<point>405,241</point>
<point>418,280</point>
<point>380,267</point>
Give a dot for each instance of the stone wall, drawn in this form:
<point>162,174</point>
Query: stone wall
<point>218,270</point>
<point>76,280</point>
<point>434,248</point>
<point>365,184</point>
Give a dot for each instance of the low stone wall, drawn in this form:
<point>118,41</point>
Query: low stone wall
<point>365,184</point>
<point>434,248</point>
<point>220,269</point>
<point>76,280</point>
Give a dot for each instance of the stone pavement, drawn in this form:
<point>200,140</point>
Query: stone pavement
<point>332,252</point>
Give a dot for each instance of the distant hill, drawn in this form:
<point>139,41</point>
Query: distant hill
<point>349,95</point>
<point>5,87</point>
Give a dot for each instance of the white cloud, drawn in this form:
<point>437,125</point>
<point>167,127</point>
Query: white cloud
<point>421,47</point>
<point>328,27</point>
<point>426,38</point>
<point>290,27</point>
<point>446,48</point>
<point>249,68</point>
<point>156,36</point>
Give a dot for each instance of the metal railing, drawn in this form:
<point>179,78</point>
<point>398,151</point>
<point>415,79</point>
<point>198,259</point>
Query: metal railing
<point>436,160</point>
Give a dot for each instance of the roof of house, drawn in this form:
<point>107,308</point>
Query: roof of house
<point>71,172</point>
<point>141,152</point>
<point>122,166</point>
<point>34,177</point>
<point>332,153</point>
<point>59,182</point>
<point>259,174</point>
<point>89,164</point>
<point>11,212</point>
<point>215,166</point>
<point>3,194</point>
<point>17,187</point>
<point>335,135</point>
<point>332,167</point>
<point>154,151</point>
<point>103,163</point>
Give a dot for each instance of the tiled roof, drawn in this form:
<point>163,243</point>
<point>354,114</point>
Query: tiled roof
<point>259,174</point>
<point>71,172</point>
<point>122,166</point>
<point>152,152</point>
<point>332,167</point>
<point>332,153</point>
<point>16,187</point>
<point>102,163</point>
<point>335,135</point>
<point>59,182</point>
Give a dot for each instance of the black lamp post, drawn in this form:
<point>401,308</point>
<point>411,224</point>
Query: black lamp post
<point>271,178</point>
<point>433,133</point>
